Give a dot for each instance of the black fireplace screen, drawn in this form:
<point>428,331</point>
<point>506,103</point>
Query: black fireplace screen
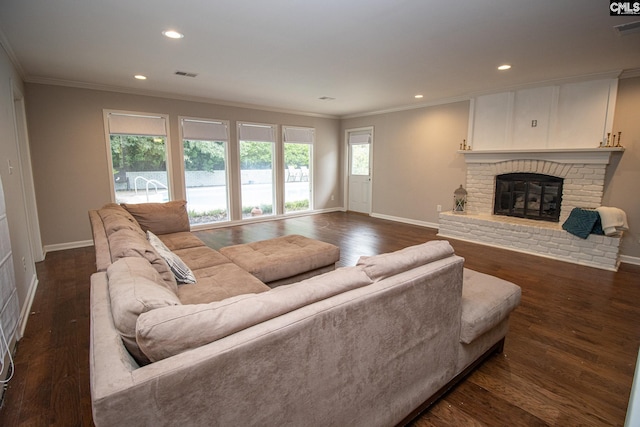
<point>528,195</point>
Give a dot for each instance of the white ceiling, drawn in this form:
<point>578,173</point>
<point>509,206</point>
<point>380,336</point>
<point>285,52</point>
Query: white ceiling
<point>370,55</point>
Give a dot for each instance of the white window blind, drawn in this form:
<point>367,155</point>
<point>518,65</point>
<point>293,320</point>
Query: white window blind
<point>298,135</point>
<point>132,124</point>
<point>254,132</point>
<point>360,137</point>
<point>203,130</point>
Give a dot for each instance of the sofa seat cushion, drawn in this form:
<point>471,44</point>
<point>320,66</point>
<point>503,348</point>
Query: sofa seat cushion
<point>135,287</point>
<point>181,240</point>
<point>160,218</point>
<point>282,257</point>
<point>381,266</point>
<point>172,330</point>
<point>219,282</point>
<point>201,257</point>
<point>486,301</point>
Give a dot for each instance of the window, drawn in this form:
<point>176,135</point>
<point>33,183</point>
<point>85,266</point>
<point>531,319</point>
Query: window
<point>359,145</point>
<point>204,147</point>
<point>298,148</point>
<point>256,144</point>
<point>138,144</point>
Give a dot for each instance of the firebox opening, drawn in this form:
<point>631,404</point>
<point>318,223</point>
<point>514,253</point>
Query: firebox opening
<point>528,195</point>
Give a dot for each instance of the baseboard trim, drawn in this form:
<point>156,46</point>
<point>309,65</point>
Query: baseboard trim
<point>26,308</point>
<point>630,259</point>
<point>65,246</point>
<point>405,220</point>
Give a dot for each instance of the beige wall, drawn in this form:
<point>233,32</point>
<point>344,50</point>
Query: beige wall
<point>415,163</point>
<point>69,151</point>
<point>623,175</point>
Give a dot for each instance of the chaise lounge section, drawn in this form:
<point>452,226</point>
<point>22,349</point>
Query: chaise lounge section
<point>367,345</point>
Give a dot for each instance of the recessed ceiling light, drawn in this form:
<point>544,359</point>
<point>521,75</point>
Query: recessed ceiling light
<point>172,34</point>
<point>140,77</point>
<point>504,67</point>
<point>419,96</point>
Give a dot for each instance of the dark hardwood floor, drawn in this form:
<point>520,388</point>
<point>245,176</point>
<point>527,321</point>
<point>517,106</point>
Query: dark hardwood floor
<point>568,360</point>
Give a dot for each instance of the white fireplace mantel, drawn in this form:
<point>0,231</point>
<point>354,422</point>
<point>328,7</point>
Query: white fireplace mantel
<point>562,155</point>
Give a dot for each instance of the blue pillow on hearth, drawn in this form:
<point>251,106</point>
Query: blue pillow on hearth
<point>582,222</point>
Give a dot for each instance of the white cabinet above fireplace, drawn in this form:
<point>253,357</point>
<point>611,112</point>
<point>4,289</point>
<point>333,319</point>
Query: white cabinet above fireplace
<point>568,115</point>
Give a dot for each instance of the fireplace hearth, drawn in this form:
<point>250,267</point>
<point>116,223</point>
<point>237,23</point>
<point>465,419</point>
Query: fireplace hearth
<point>581,174</point>
<point>528,195</point>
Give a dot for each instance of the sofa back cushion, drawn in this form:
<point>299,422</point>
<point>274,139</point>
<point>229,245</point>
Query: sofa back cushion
<point>171,330</point>
<point>115,217</point>
<point>135,287</point>
<point>379,267</point>
<point>128,243</point>
<point>160,218</point>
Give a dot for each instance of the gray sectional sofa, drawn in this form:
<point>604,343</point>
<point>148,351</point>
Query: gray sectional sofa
<point>366,345</point>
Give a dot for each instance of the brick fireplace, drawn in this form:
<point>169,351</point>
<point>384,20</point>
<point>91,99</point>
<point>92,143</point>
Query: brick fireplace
<point>583,175</point>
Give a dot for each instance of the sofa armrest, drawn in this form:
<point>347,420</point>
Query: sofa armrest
<point>111,365</point>
<point>100,241</point>
<point>486,302</point>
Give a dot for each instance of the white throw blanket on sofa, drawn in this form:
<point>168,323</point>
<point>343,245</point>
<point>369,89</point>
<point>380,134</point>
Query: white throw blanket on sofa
<point>614,220</point>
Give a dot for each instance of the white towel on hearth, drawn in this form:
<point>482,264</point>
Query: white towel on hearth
<point>614,220</point>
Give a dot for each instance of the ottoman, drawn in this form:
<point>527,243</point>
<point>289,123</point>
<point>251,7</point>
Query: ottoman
<point>284,260</point>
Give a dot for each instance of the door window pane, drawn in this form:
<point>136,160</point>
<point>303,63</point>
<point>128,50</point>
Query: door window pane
<point>359,159</point>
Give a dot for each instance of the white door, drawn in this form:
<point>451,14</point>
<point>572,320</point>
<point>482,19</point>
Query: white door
<point>359,143</point>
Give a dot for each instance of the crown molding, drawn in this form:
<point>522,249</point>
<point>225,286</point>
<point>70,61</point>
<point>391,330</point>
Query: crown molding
<point>4,42</point>
<point>409,107</point>
<point>627,74</point>
<point>168,95</point>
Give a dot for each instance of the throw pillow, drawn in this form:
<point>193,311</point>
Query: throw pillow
<point>160,218</point>
<point>182,272</point>
<point>381,266</point>
<point>134,288</point>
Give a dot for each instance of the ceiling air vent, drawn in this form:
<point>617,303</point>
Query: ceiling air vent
<point>185,74</point>
<point>629,28</point>
<point>326,98</point>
